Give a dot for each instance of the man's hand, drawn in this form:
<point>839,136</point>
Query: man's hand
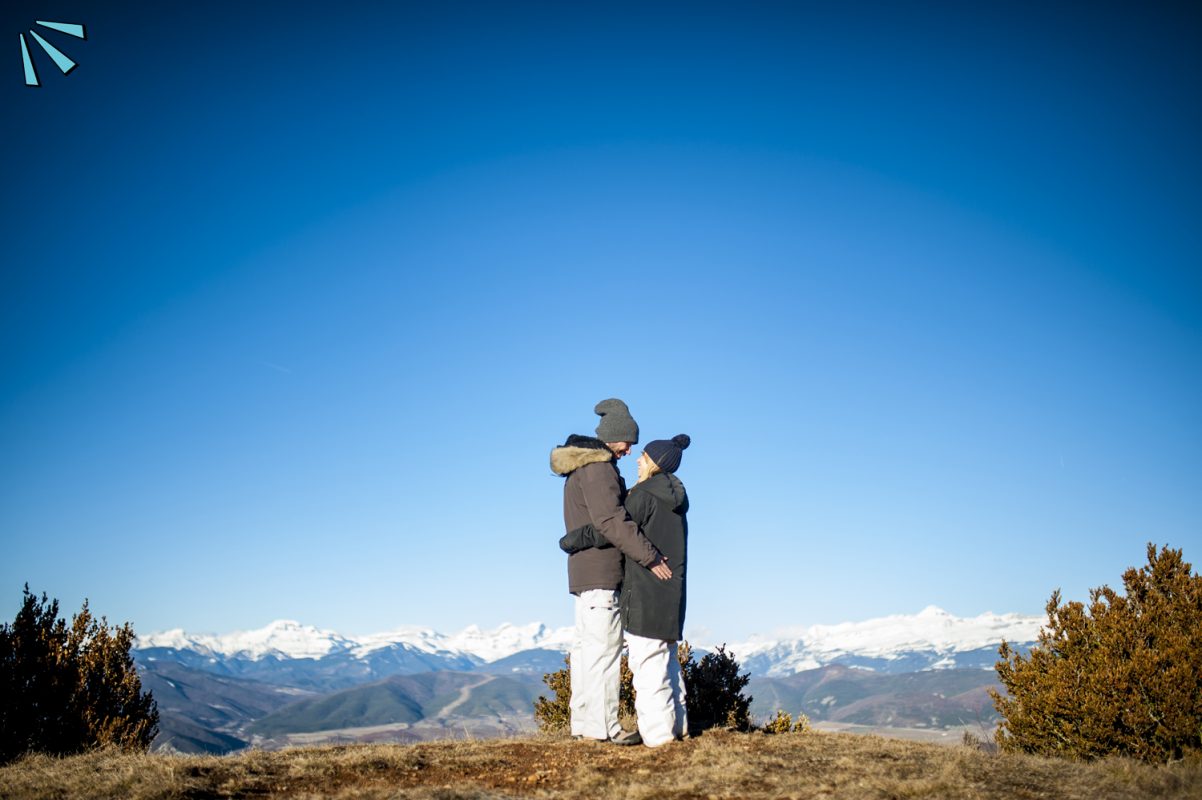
<point>660,569</point>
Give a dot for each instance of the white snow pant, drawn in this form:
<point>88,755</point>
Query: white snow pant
<point>659,693</point>
<point>594,665</point>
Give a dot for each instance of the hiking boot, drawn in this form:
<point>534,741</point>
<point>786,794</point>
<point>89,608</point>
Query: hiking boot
<point>626,738</point>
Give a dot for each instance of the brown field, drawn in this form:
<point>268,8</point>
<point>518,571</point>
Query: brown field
<point>716,765</point>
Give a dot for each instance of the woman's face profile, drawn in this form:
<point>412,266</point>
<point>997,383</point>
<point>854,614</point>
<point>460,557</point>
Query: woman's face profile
<point>644,464</point>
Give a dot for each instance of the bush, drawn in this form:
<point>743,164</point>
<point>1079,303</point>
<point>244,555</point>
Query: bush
<point>555,715</point>
<point>626,710</point>
<point>713,699</point>
<point>65,689</point>
<point>781,723</point>
<point>715,692</point>
<point>1121,676</point>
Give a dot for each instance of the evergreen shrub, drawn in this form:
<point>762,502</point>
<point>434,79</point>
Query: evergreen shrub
<point>68,688</point>
<point>1119,676</point>
<point>713,693</point>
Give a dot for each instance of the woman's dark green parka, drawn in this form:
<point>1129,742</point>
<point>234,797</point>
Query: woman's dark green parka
<point>651,607</point>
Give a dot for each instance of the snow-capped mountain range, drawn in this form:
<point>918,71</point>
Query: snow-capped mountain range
<point>288,639</point>
<point>931,639</point>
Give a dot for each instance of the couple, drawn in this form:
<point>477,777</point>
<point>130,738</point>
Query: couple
<point>637,542</point>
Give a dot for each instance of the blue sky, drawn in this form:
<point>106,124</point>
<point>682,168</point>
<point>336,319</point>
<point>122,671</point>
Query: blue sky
<point>296,305</point>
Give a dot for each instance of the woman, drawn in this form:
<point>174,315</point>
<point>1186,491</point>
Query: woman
<point>653,609</point>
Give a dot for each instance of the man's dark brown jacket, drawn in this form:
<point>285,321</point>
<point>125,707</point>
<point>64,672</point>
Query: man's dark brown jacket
<point>593,494</point>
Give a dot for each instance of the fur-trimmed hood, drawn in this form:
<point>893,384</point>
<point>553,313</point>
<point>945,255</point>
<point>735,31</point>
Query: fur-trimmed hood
<point>578,451</point>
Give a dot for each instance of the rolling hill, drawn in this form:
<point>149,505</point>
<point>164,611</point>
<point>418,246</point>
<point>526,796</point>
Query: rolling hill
<point>402,701</point>
<point>934,699</point>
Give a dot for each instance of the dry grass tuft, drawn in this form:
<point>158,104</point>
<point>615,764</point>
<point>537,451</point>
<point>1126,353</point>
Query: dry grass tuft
<point>717,765</point>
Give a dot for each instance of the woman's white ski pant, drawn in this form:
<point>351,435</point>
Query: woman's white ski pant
<point>659,692</point>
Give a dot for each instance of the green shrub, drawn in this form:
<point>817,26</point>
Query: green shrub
<point>626,710</point>
<point>715,692</point>
<point>65,689</point>
<point>713,686</point>
<point>1122,675</point>
<point>781,723</point>
<point>555,715</point>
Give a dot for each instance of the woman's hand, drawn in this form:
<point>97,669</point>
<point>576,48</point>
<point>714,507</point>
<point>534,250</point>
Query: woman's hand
<point>661,570</point>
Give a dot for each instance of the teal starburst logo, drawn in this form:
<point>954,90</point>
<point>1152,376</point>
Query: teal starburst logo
<point>59,58</point>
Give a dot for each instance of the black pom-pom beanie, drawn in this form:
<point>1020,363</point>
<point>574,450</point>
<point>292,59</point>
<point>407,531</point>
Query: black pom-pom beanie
<point>666,453</point>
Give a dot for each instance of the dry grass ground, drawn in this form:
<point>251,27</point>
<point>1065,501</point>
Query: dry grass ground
<point>717,765</point>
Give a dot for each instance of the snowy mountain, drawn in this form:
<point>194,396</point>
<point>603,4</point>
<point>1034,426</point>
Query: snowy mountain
<point>281,639</point>
<point>287,639</point>
<point>213,689</point>
<point>931,639</point>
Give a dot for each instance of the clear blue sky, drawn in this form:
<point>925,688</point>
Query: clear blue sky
<point>295,303</point>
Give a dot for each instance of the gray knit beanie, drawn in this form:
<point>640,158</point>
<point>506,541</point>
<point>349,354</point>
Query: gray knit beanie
<point>616,424</point>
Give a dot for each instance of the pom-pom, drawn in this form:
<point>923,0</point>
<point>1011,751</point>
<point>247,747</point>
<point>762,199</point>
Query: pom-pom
<point>681,440</point>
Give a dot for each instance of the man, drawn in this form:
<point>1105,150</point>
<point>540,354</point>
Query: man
<point>593,493</point>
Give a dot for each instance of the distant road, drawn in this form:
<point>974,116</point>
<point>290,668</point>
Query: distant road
<point>464,694</point>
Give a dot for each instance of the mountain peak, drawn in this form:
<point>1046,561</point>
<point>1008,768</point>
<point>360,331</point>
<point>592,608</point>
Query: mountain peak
<point>284,625</point>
